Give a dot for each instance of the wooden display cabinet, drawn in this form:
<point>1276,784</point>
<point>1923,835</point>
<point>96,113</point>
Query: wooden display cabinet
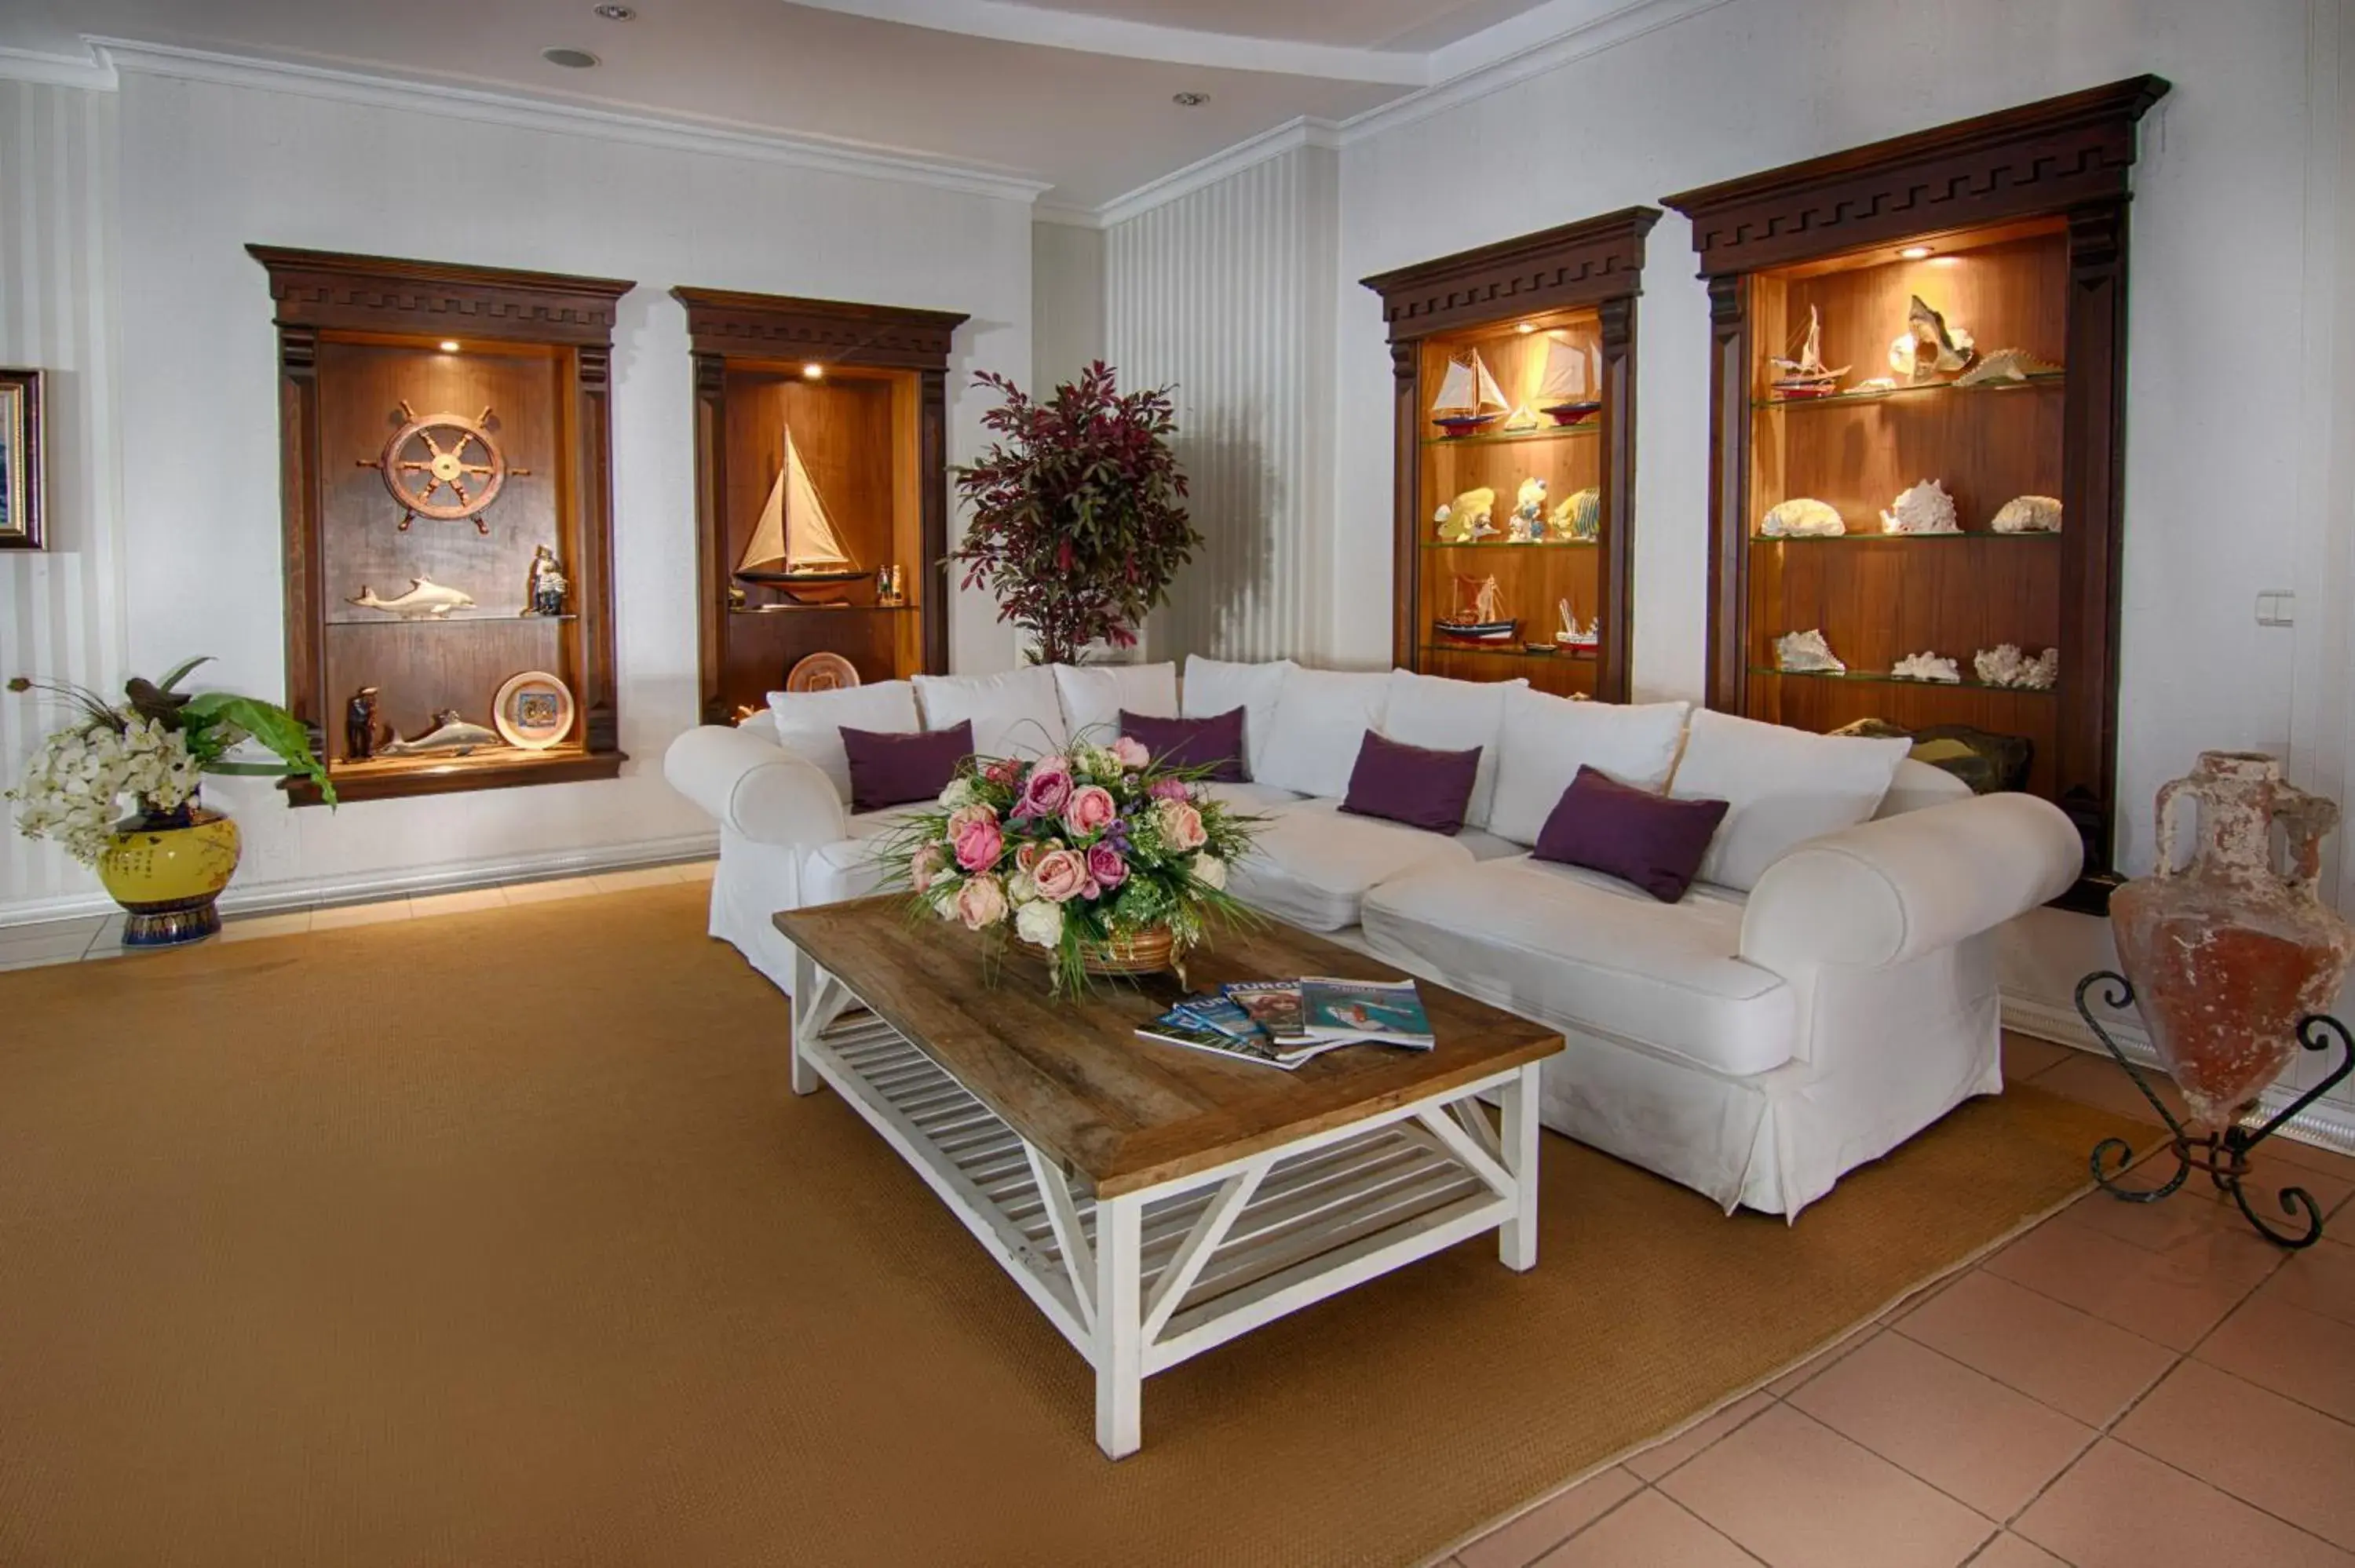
<point>500,378</point>
<point>860,392</point>
<point>2013,227</point>
<point>1568,290</point>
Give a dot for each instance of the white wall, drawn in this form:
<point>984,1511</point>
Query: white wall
<point>206,167</point>
<point>1067,302</point>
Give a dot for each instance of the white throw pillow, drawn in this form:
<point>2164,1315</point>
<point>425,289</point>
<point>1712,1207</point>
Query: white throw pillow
<point>1013,714</point>
<point>1094,694</point>
<point>810,723</point>
<point>1321,720</point>
<point>1546,738</point>
<point>1782,786</point>
<point>1213,686</point>
<point>1441,714</point>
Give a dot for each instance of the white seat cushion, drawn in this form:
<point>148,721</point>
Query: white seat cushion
<point>1313,864</point>
<point>1016,713</point>
<point>1572,947</point>
<point>1321,720</point>
<point>1214,686</point>
<point>849,868</point>
<point>1094,694</point>
<point>809,724</point>
<point>1441,714</point>
<point>1782,786</point>
<point>1545,739</point>
<point>1256,799</point>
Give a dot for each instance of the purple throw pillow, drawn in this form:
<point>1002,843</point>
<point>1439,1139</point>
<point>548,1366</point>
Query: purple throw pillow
<point>1410,784</point>
<point>1633,835</point>
<point>894,770</point>
<point>1215,743</point>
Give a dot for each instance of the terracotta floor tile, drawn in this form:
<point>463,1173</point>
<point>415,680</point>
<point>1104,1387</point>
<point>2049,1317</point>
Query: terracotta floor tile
<point>2069,1359</point>
<point>50,942</point>
<point>2330,1162</point>
<point>342,914</point>
<point>1653,1463</point>
<point>1960,1430</point>
<point>2097,1080</point>
<point>696,871</point>
<point>2170,1223</point>
<point>634,878</point>
<point>1798,1495</point>
<point>250,927</point>
<point>2024,1055</point>
<point>1515,1543</point>
<point>1822,1361</point>
<point>2320,1279</point>
<point>2173,1297</point>
<point>2009,1551</point>
<point>2276,1344</point>
<point>462,903</point>
<point>2293,1462</point>
<point>550,891</point>
<point>2119,1509</point>
<point>2269,1176</point>
<point>1652,1532</point>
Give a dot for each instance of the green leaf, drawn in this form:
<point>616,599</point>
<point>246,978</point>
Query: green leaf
<point>180,672</point>
<point>268,723</point>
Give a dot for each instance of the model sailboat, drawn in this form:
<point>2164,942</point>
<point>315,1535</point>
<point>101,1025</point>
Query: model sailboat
<point>1565,392</point>
<point>1806,376</point>
<point>1478,615</point>
<point>794,547</point>
<point>1469,397</point>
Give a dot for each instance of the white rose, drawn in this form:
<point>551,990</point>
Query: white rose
<point>1209,871</point>
<point>958,794</point>
<point>1019,888</point>
<point>1039,922</point>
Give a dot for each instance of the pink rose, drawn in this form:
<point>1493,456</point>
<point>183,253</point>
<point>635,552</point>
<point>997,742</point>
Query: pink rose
<point>1131,752</point>
<point>1105,866</point>
<point>965,816</point>
<point>1059,875</point>
<point>979,846</point>
<point>980,902</point>
<point>1005,770</point>
<point>1046,788</point>
<point>925,866</point>
<point>1026,856</point>
<point>1182,825</point>
<point>1090,810</point>
<point>1170,789</point>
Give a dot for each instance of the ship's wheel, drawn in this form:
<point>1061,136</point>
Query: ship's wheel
<point>439,452</point>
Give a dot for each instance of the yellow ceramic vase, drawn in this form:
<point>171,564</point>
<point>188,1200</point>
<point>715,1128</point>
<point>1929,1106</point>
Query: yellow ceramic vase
<point>166,869</point>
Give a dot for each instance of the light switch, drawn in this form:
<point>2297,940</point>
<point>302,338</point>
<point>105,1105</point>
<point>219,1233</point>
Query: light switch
<point>2276,607</point>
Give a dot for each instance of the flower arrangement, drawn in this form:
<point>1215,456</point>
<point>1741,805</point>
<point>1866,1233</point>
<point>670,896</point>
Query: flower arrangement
<point>1076,853</point>
<point>155,745</point>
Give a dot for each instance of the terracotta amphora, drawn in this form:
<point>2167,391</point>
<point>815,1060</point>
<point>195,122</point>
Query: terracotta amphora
<point>2227,953</point>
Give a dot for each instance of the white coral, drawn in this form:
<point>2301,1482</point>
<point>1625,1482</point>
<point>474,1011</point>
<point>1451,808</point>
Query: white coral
<point>2006,665</point>
<point>1928,667</point>
<point>1803,517</point>
<point>2028,514</point>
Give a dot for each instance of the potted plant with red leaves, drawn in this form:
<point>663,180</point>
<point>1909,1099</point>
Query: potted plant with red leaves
<point>1077,518</point>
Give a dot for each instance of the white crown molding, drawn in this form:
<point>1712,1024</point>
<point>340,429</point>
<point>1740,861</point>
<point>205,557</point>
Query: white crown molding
<point>1065,214</point>
<point>1301,132</point>
<point>90,72</point>
<point>385,91</point>
<point>1087,33</point>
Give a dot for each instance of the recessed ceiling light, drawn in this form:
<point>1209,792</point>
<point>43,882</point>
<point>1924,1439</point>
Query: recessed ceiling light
<point>1189,100</point>
<point>1915,252</point>
<point>449,345</point>
<point>571,59</point>
<point>1525,328</point>
<point>813,371</point>
<point>616,13</point>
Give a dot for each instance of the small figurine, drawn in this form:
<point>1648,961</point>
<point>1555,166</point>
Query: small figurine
<point>1465,520</point>
<point>425,599</point>
<point>548,586</point>
<point>359,724</point>
<point>450,733</point>
<point>1528,511</point>
<point>1579,518</point>
<point>882,585</point>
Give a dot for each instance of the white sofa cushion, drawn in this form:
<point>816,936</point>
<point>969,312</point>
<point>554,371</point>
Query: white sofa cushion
<point>1253,800</point>
<point>1782,786</point>
<point>1312,864</point>
<point>809,724</point>
<point>849,868</point>
<point>1545,739</point>
<point>1917,786</point>
<point>1572,947</point>
<point>1214,686</point>
<point>1093,695</point>
<point>1441,714</point>
<point>1321,720</point>
<point>1016,713</point>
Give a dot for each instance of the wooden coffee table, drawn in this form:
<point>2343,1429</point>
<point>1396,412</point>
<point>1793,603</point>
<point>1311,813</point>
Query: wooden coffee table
<point>1154,1201</point>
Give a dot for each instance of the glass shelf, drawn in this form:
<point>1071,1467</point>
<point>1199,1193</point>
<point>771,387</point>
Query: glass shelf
<point>822,610</point>
<point>1882,677</point>
<point>440,619</point>
<point>1591,426</point>
<point>1505,651</point>
<point>1894,538</point>
<point>1903,394</point>
<point>1508,545</point>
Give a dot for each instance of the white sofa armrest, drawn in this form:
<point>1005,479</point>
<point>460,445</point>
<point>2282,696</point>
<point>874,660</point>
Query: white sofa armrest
<point>1884,892</point>
<point>755,787</point>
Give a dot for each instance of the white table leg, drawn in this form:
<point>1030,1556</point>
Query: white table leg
<point>1517,1238</point>
<point>806,987</point>
<point>1120,1327</point>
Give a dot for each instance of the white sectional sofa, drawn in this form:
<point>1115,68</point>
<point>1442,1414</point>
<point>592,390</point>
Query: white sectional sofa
<point>1824,991</point>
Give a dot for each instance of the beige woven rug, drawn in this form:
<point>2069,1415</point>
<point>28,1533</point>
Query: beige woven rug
<point>496,1238</point>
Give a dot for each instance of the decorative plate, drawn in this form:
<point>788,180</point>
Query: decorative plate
<point>534,711</point>
<point>822,673</point>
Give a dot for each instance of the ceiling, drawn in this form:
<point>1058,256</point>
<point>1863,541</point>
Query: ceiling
<point>1074,92</point>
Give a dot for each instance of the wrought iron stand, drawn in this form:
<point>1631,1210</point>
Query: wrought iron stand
<point>2224,1156</point>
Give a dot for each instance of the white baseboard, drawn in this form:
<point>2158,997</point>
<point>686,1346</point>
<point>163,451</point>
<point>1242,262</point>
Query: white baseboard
<point>2326,1124</point>
<point>363,887</point>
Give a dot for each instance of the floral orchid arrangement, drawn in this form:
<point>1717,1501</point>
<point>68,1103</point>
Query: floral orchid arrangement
<point>1075,852</point>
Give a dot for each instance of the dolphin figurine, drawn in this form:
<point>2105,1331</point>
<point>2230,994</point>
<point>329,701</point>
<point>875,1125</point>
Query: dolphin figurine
<point>450,733</point>
<point>425,597</point>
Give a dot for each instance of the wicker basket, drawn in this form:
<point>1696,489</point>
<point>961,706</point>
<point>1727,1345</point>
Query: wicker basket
<point>1149,952</point>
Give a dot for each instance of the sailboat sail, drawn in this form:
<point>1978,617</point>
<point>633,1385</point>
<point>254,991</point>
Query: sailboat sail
<point>1564,379</point>
<point>1467,389</point>
<point>795,534</point>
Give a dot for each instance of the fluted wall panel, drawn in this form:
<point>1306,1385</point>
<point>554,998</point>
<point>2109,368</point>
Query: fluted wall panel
<point>1227,292</point>
<point>59,608</point>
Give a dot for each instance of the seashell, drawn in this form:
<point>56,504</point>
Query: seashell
<point>1802,517</point>
<point>1466,517</point>
<point>1928,667</point>
<point>1578,515</point>
<point>1928,346</point>
<point>2005,365</point>
<point>1926,508</point>
<point>1805,652</point>
<point>1877,384</point>
<point>2028,514</point>
<point>2005,666</point>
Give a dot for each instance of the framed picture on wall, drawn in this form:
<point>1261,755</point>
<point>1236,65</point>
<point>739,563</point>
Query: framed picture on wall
<point>20,460</point>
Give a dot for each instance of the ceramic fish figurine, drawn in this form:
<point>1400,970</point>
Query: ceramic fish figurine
<point>2005,666</point>
<point>1529,510</point>
<point>450,733</point>
<point>1465,518</point>
<point>1805,652</point>
<point>1928,346</point>
<point>2028,514</point>
<point>1803,517</point>
<point>425,597</point>
<point>1925,508</point>
<point>1928,667</point>
<point>2005,365</point>
<point>1578,515</point>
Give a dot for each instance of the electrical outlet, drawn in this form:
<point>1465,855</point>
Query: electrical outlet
<point>2276,607</point>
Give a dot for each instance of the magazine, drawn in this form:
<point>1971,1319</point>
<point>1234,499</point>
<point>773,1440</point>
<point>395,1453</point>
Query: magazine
<point>1218,1012</point>
<point>1274,1006</point>
<point>1177,1028</point>
<point>1389,1012</point>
